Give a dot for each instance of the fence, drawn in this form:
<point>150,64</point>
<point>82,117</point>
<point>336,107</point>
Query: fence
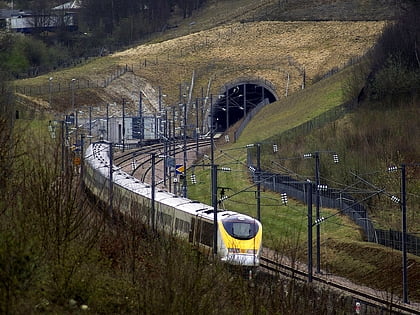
<point>79,84</point>
<point>248,118</point>
<point>393,239</point>
<point>335,199</point>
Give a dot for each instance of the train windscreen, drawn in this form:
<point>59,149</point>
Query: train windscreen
<point>240,227</point>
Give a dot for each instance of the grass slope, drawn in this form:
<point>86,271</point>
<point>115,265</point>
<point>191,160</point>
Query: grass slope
<point>255,49</point>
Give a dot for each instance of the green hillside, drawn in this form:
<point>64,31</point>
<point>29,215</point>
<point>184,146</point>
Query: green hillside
<point>57,253</point>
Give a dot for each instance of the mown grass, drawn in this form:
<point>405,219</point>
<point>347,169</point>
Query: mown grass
<point>295,110</point>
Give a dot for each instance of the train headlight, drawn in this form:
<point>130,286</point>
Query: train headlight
<point>251,251</point>
<point>233,250</point>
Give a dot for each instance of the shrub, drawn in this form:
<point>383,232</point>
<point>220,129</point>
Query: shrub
<point>395,61</point>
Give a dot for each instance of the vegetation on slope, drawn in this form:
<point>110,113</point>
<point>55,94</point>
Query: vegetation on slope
<point>380,130</point>
<point>114,269</point>
<point>58,255</point>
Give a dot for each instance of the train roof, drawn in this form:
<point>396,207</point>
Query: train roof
<point>97,155</point>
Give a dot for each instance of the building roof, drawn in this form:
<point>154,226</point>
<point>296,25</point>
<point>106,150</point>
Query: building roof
<point>7,13</point>
<point>75,4</point>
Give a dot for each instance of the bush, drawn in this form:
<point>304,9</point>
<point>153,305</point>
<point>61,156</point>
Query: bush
<point>395,80</point>
<point>395,60</point>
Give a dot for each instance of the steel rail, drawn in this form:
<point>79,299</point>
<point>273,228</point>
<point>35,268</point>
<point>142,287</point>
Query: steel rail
<point>364,297</point>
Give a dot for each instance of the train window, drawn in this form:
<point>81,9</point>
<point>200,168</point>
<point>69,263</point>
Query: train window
<point>240,227</point>
<point>181,225</point>
<point>164,219</point>
<point>206,236</point>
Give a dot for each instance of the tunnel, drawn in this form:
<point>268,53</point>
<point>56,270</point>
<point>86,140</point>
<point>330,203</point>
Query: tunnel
<point>238,100</point>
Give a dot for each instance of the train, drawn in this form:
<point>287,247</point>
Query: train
<point>239,236</point>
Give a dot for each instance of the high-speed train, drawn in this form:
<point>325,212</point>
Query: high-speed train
<point>239,239</point>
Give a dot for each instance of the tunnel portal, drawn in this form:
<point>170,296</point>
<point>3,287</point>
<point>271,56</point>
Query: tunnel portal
<point>238,101</point>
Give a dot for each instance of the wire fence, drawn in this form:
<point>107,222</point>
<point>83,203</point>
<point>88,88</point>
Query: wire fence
<point>79,84</point>
<point>249,116</point>
<point>336,199</point>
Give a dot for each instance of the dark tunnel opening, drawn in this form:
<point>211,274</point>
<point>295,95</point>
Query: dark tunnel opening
<point>237,102</point>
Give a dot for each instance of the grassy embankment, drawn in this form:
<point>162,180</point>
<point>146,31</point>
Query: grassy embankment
<point>342,250</point>
<point>284,226</point>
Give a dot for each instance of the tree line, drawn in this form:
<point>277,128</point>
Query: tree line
<point>102,24</point>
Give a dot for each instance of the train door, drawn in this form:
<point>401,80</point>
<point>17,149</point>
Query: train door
<point>192,231</point>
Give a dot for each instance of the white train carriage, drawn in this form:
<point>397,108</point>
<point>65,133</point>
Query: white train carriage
<point>239,239</point>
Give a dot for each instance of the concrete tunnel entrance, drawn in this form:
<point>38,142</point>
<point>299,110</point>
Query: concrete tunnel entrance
<point>238,100</point>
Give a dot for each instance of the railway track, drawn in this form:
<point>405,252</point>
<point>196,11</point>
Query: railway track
<point>143,166</point>
<point>384,304</point>
<point>371,300</point>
